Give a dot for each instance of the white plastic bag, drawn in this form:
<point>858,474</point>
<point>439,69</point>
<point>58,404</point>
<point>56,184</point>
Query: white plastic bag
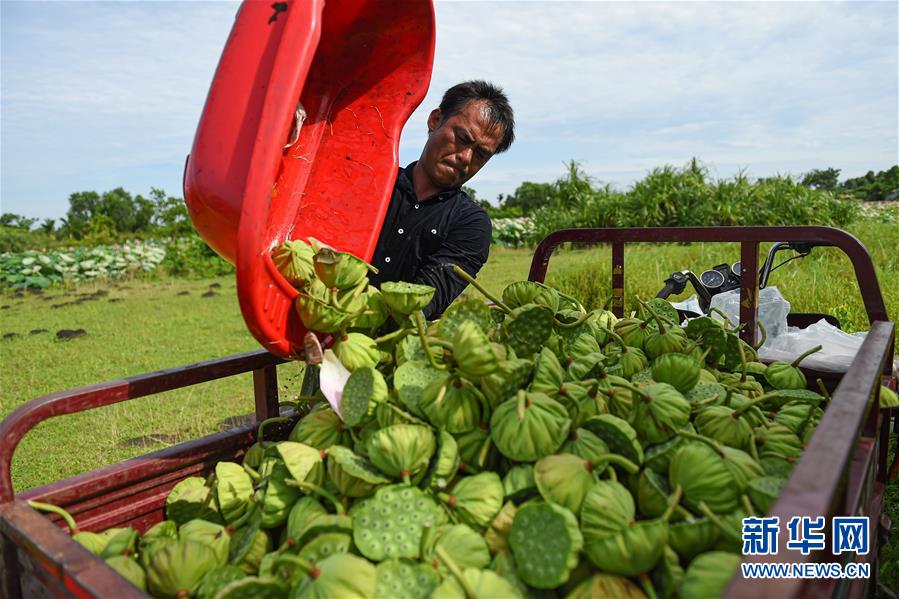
<point>838,347</point>
<point>773,310</point>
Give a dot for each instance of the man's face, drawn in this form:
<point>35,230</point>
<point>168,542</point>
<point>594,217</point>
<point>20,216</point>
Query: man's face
<point>459,146</point>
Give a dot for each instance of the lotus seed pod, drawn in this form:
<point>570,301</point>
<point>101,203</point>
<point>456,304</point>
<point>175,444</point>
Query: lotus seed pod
<point>607,508</point>
<point>217,579</point>
<point>325,524</point>
<point>319,316</point>
<point>339,270</point>
<point>527,328</point>
<point>355,350</point>
<point>691,537</point>
<point>483,583</point>
<point>678,370</point>
<point>652,491</point>
<point>123,542</point>
<point>705,393</point>
<point>519,483</point>
<point>473,351</point>
<point>178,568</point>
<point>402,450</point>
<point>586,445</point>
<point>506,380</point>
<point>888,398</point>
<point>564,479</point>
<point>275,496</point>
<point>725,426</point>
<point>644,377</point>
<point>632,331</point>
<point>303,512</point>
<point>668,575</point>
<point>374,313</point>
<point>709,574</point>
<point>352,475</point>
<point>617,434</point>
<point>545,541</point>
<point>326,545</point>
<point>474,310</point>
<point>777,466</point>
<point>752,413</point>
<point>390,523</point>
<point>731,527</point>
<point>782,375</point>
<point>776,440</point>
<point>799,417</point>
<point>364,390</point>
<point>529,427</point>
<point>763,491</point>
<point>520,293</point>
<point>404,299</point>
<point>410,380</point>
<point>320,428</point>
<point>504,565</point>
<point>626,361</point>
<point>405,578</point>
<point>477,499</point>
<point>253,586</point>
<point>705,477</point>
<point>189,499</point>
<point>215,536</point>
<point>600,586</point>
<point>632,550</point>
<point>476,451</point>
<point>92,541</point>
<point>302,461</point>
<point>248,546</point>
<point>497,535</point>
<point>582,344</point>
<point>153,540</point>
<point>465,548</point>
<point>293,259</point>
<point>592,404</point>
<point>659,308</point>
<point>548,374</point>
<point>452,403</point>
<point>233,490</point>
<point>586,366</point>
<point>663,341</point>
<point>659,417</point>
<point>341,576</point>
<point>129,569</point>
<point>658,457</point>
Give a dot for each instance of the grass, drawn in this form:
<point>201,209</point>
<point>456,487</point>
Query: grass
<point>139,327</point>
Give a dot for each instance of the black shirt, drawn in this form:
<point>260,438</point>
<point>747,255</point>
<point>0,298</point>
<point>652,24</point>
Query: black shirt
<point>420,238</point>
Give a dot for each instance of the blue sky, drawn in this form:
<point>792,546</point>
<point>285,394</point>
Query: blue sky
<point>96,95</point>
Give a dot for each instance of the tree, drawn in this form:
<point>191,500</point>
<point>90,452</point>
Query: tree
<point>169,213</point>
<point>529,197</point>
<point>826,179</point>
<point>16,221</point>
<point>48,226</point>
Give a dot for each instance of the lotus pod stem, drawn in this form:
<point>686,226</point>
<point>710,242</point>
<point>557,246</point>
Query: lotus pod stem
<point>55,509</point>
<point>660,320</point>
<point>425,344</point>
<point>764,335</point>
<point>646,585</point>
<point>614,458</point>
<point>570,325</point>
<point>823,389</point>
<point>673,503</point>
<point>261,429</point>
<point>753,450</point>
<point>299,562</point>
<point>473,282</point>
<point>760,399</point>
<point>703,439</point>
<point>747,505</point>
<point>407,416</point>
<point>714,519</point>
<point>254,474</point>
<point>816,349</point>
<point>724,317</point>
<point>397,334</point>
<point>251,509</point>
<point>317,490</point>
<point>456,571</point>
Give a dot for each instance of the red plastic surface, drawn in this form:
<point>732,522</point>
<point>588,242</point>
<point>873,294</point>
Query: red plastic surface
<point>359,68</point>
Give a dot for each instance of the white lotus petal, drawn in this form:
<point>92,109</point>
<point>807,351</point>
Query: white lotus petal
<point>332,379</point>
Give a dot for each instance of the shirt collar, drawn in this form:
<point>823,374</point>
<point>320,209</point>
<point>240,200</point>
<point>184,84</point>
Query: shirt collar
<point>405,181</point>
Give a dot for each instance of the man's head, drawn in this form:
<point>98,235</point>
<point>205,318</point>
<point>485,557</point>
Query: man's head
<point>474,122</point>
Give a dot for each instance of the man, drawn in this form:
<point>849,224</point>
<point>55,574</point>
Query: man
<point>431,223</point>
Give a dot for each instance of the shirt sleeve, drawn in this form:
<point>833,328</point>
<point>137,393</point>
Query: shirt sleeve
<point>467,245</point>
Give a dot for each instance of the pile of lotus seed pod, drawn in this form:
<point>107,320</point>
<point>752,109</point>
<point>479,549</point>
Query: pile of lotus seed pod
<point>517,447</point>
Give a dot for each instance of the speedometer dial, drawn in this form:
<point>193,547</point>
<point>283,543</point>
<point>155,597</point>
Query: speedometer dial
<point>712,279</point>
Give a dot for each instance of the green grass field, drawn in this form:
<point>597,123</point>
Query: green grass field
<point>136,327</point>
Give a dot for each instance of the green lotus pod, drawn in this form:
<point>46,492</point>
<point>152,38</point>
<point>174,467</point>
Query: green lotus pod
<point>521,293</point>
<point>782,397</point>
<point>529,427</point>
<point>776,440</point>
<point>784,375</point>
<point>888,398</point>
<point>777,466</point>
<point>129,569</point>
<point>304,511</point>
<point>665,340</point>
<point>476,500</point>
<point>406,579</point>
<point>302,461</point>
<point>633,332</point>
<point>661,413</point>
<point>633,550</point>
<point>352,475</point>
<point>619,400</point>
<point>652,492</point>
<point>123,542</point>
<point>410,380</point>
<point>586,366</point>
<point>678,370</point>
<point>320,428</point>
<point>668,575</point>
<point>478,583</point>
<point>390,523</point>
<point>658,457</point>
<point>658,308</point>
<point>152,540</point>
<point>402,450</point>
<point>446,463</point>
<point>617,434</point>
<point>476,451</point>
<point>692,536</point>
<point>373,310</point>
<point>608,508</point>
<point>339,270</point>
<point>452,403</point>
<point>730,526</point>
<point>341,576</point>
<point>751,412</point>
<point>644,377</point>
<point>506,380</point>
<point>577,345</point>
<point>519,483</point>
<point>716,478</point>
<point>705,376</point>
<point>504,565</point>
<point>527,328</point>
<point>404,299</point>
<point>253,586</point>
<point>545,542</point>
<point>564,479</point>
<point>725,426</point>
<point>410,349</point>
<point>548,374</point>
<point>217,579</point>
<point>799,417</point>
<point>465,548</point>
<point>625,360</point>
<point>586,445</point>
<point>363,391</point>
<point>473,351</point>
<point>737,352</point>
<point>247,548</point>
<point>709,574</point>
<point>293,259</point>
<point>497,535</point>
<point>705,393</point>
<point>190,499</point>
<point>216,536</point>
<point>326,545</point>
<point>233,490</point>
<point>593,403</point>
<point>275,496</point>
<point>178,568</point>
<point>317,315</point>
<point>474,310</point>
<point>600,586</point>
<point>325,524</point>
<point>355,350</point>
<point>763,491</point>
<point>92,541</point>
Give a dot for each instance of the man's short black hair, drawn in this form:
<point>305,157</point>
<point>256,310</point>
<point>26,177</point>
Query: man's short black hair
<point>499,111</point>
